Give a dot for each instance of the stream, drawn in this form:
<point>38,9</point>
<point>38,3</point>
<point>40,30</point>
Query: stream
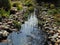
<point>29,34</point>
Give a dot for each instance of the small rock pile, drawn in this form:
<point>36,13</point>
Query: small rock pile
<point>7,25</point>
<point>50,28</point>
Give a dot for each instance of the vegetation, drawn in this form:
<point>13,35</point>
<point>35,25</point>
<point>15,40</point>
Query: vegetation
<point>5,4</point>
<point>4,14</point>
<point>57,18</point>
<point>53,11</point>
<point>18,5</point>
<point>17,24</point>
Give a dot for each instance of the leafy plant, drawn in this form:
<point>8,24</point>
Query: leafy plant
<point>18,5</point>
<point>26,15</point>
<point>31,8</point>
<point>52,6</point>
<point>17,24</point>
<point>28,2</point>
<point>15,4</point>
<point>4,14</point>
<point>52,11</point>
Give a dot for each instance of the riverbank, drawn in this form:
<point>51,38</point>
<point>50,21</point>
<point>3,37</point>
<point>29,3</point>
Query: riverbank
<point>48,24</point>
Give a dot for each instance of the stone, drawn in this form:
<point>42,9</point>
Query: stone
<point>5,33</point>
<point>58,36</point>
<point>0,23</point>
<point>10,22</point>
<point>52,32</point>
<point>59,31</point>
<point>14,30</point>
<point>6,27</point>
<point>58,41</point>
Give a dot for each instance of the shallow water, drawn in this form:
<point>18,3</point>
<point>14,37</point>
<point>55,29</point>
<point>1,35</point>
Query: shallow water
<point>28,35</point>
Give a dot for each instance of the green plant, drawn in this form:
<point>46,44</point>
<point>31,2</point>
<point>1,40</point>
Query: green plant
<point>6,4</point>
<point>52,11</point>
<point>52,6</point>
<point>4,14</point>
<point>15,4</point>
<point>26,15</point>
<point>28,3</point>
<point>18,5</point>
<point>17,24</point>
<point>31,8</point>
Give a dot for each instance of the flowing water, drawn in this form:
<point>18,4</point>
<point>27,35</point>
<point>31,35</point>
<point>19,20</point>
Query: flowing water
<point>28,35</point>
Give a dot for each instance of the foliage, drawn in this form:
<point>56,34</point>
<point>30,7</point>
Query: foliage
<point>52,11</point>
<point>18,5</point>
<point>5,4</point>
<point>46,5</point>
<point>31,8</point>
<point>28,2</point>
<point>4,14</point>
<point>15,4</point>
<point>26,15</point>
<point>57,18</point>
<point>52,6</point>
<point>58,10</point>
<point>17,24</point>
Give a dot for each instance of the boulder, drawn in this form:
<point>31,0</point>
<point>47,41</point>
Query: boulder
<point>59,31</point>
<point>0,23</point>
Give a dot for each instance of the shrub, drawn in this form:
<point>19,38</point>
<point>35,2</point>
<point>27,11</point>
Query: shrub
<point>17,24</point>
<point>28,3</point>
<point>46,5</point>
<point>31,8</point>
<point>18,5</point>
<point>53,11</point>
<point>26,15</point>
<point>5,4</point>
<point>4,14</point>
<point>52,6</point>
<point>15,4</point>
